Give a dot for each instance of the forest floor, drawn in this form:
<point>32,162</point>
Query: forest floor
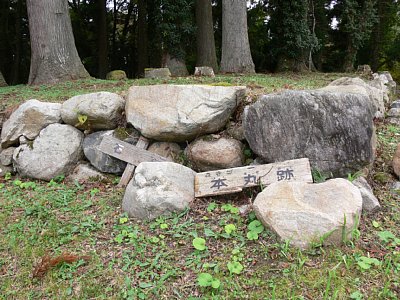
<point>61,240</point>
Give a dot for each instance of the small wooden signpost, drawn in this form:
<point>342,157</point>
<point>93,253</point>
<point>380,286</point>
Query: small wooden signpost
<point>133,155</point>
<point>234,180</point>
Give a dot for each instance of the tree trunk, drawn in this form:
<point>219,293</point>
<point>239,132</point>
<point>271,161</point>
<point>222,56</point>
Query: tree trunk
<point>349,58</point>
<point>236,55</point>
<point>2,81</point>
<point>206,55</point>
<point>142,38</point>
<point>18,41</point>
<point>54,57</point>
<point>102,39</point>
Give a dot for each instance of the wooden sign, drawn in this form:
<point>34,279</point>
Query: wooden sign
<point>126,152</point>
<point>229,181</point>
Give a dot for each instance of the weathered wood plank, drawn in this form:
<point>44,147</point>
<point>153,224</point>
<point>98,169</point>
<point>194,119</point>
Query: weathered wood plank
<point>229,181</point>
<point>127,152</point>
<point>142,143</point>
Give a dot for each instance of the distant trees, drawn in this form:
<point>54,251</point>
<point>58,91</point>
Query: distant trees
<point>355,23</point>
<point>54,57</point>
<point>206,55</point>
<point>236,55</point>
<point>292,40</point>
<point>241,36</point>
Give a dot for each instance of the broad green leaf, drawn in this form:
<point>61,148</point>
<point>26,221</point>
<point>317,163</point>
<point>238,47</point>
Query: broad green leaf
<point>386,236</point>
<point>235,267</point>
<point>123,220</point>
<point>205,279</point>
<point>252,236</point>
<point>215,283</point>
<point>256,226</point>
<point>230,228</point>
<point>199,244</point>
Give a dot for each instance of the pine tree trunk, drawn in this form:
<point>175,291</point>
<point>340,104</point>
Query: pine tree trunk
<point>142,38</point>
<point>206,55</point>
<point>102,40</point>
<point>54,57</point>
<point>2,81</point>
<point>236,55</point>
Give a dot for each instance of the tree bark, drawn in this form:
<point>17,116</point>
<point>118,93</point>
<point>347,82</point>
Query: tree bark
<point>236,55</point>
<point>206,55</point>
<point>18,41</point>
<point>349,59</point>
<point>54,57</point>
<point>142,40</point>
<point>2,81</point>
<point>102,39</point>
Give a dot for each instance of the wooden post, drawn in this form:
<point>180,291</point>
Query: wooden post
<point>142,143</point>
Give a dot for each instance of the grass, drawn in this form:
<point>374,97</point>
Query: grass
<point>163,259</point>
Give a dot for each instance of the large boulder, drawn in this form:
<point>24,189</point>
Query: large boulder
<point>28,120</point>
<point>183,112</point>
<point>359,86</point>
<point>334,130</point>
<point>304,213</point>
<point>54,152</point>
<point>96,111</point>
<point>101,161</point>
<point>157,189</point>
<point>213,154</point>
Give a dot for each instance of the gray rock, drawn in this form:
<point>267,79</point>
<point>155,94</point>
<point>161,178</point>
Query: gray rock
<point>54,152</point>
<point>176,66</point>
<point>394,112</point>
<point>236,131</point>
<point>158,189</point>
<point>102,110</point>
<point>370,202</point>
<point>222,153</point>
<point>394,121</point>
<point>101,161</point>
<point>170,151</point>
<point>160,73</point>
<point>4,170</point>
<point>204,71</point>
<point>85,173</point>
<point>183,111</point>
<point>395,189</point>
<point>28,120</point>
<point>6,156</point>
<point>23,140</point>
<point>359,86</point>
<point>304,213</point>
<point>334,130</point>
<point>395,104</point>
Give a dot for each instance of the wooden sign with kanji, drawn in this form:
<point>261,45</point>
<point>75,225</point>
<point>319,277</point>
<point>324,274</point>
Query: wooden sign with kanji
<point>233,180</point>
<point>133,155</point>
